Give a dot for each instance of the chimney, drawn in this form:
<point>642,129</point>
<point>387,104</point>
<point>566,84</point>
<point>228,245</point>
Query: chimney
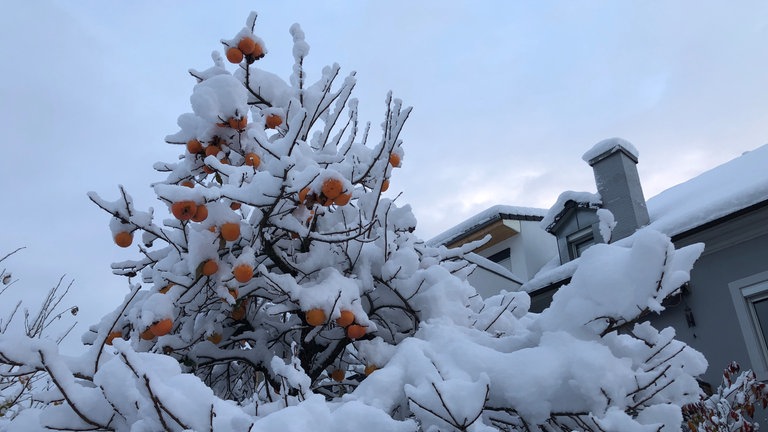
<point>614,162</point>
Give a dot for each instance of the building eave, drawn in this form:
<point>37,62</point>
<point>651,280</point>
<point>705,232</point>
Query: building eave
<point>450,239</point>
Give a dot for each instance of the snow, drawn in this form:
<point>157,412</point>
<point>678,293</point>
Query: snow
<point>551,273</point>
<point>606,225</point>
<point>489,265</point>
<point>219,98</point>
<point>646,271</point>
<point>610,145</point>
<point>484,217</point>
<point>725,189</point>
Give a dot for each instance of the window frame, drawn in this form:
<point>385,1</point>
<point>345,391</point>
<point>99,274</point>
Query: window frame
<point>502,257</point>
<point>744,293</point>
<point>579,238</point>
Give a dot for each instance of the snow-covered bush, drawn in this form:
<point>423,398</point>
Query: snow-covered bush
<point>277,289</point>
<point>732,407</point>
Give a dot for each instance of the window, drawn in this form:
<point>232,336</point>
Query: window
<point>750,298</point>
<point>579,241</point>
<point>502,258</point>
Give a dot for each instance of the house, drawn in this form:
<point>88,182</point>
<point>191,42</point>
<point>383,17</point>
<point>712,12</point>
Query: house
<point>516,248</point>
<point>723,311</point>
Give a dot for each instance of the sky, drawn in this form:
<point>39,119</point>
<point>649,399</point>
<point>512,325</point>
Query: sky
<point>507,96</point>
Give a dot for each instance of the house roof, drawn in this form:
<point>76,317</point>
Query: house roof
<point>485,218</point>
<point>714,194</point>
<point>723,190</point>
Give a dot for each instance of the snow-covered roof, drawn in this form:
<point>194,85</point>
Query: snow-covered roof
<point>582,199</point>
<point>484,217</point>
<point>610,145</point>
<point>723,190</point>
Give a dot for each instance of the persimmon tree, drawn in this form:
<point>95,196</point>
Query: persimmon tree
<point>277,229</point>
<point>276,288</point>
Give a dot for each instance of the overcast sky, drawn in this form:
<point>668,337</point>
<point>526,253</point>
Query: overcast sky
<point>507,96</point>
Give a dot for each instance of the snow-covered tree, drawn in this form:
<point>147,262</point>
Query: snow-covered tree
<point>18,382</point>
<point>277,289</point>
<point>279,244</point>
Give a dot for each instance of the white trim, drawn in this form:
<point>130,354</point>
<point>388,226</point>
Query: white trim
<point>743,293</point>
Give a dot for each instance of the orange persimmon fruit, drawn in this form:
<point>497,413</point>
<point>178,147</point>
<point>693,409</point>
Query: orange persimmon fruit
<point>385,185</point>
<point>194,146</point>
<point>243,273</point>
<point>235,205</point>
<point>238,123</point>
<point>234,55</point>
<point>252,159</point>
<point>338,375</point>
<point>246,45</point>
<point>112,335</point>
<point>212,150</point>
<point>272,121</point>
<point>355,331</point>
<point>346,318</point>
<point>201,213</point>
<point>238,312</point>
<point>370,369</point>
<point>230,231</point>
<point>315,317</point>
<point>303,194</point>
<point>343,199</point>
<point>184,210</point>
<point>394,160</point>
<point>162,327</point>
<point>258,52</point>
<point>332,188</point>
<point>165,289</point>
<point>210,267</point>
<point>215,338</point>
<point>123,239</point>
<point>147,334</point>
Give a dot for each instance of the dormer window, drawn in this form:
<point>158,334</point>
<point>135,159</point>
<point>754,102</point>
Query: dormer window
<point>579,241</point>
